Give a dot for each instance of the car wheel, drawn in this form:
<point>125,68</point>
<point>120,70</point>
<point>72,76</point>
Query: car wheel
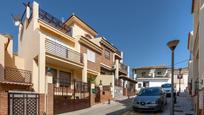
<point>134,109</point>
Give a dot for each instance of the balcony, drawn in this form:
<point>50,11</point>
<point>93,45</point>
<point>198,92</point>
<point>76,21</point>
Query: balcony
<point>162,76</point>
<point>54,22</point>
<point>144,76</point>
<point>123,68</point>
<point>62,51</point>
<point>17,75</point>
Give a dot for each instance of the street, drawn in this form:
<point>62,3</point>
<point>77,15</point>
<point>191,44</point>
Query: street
<point>117,108</point>
<point>123,107</point>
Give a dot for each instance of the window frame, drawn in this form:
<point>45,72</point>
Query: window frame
<point>65,82</point>
<point>91,55</point>
<point>107,54</point>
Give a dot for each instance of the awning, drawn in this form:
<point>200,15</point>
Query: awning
<point>15,83</point>
<point>127,78</point>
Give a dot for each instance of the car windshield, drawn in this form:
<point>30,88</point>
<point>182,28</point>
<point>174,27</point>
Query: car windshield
<point>166,85</point>
<point>149,92</point>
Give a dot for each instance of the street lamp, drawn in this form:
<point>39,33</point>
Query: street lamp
<point>180,76</point>
<point>172,45</point>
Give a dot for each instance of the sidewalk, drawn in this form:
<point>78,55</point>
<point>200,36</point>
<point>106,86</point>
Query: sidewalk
<point>184,105</point>
<point>104,107</point>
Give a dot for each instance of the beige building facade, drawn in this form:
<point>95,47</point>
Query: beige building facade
<point>196,62</point>
<point>63,61</point>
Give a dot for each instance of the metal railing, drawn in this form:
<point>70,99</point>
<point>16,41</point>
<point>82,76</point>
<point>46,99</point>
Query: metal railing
<point>17,75</point>
<point>123,67</point>
<point>59,50</point>
<point>54,22</point>
<point>63,90</point>
<point>72,87</point>
<point>144,76</point>
<point>162,76</point>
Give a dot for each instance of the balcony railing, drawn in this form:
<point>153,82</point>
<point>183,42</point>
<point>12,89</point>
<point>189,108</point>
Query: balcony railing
<point>123,68</point>
<point>54,22</point>
<point>72,87</point>
<point>144,76</point>
<point>61,51</point>
<point>17,75</point>
<point>162,76</point>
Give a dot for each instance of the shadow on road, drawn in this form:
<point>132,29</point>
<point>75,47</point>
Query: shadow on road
<point>128,109</point>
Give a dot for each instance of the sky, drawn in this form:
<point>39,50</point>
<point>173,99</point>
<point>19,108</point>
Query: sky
<point>139,28</point>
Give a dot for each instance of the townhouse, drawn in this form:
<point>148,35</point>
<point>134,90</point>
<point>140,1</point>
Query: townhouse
<point>196,62</point>
<point>63,66</point>
<point>154,76</point>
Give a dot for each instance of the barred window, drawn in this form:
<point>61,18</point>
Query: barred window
<point>107,54</point>
<point>64,79</point>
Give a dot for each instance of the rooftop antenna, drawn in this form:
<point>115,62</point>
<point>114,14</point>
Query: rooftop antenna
<point>16,19</point>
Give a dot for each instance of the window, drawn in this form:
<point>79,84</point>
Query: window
<point>139,85</point>
<point>107,54</point>
<point>91,56</point>
<point>146,84</point>
<point>64,79</point>
<point>143,73</point>
<point>159,73</point>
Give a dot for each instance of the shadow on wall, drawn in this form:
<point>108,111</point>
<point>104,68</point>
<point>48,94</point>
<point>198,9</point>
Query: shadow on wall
<point>1,72</point>
<point>13,74</point>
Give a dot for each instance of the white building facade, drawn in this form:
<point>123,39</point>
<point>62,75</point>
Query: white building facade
<point>155,76</point>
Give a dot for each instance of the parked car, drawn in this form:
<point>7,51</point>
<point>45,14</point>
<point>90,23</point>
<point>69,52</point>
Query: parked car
<point>150,99</point>
<point>167,88</point>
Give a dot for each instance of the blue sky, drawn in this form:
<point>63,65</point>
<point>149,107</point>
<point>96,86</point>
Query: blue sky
<point>140,28</point>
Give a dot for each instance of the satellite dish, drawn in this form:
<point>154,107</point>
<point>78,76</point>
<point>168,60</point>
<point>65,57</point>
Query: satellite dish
<point>16,19</point>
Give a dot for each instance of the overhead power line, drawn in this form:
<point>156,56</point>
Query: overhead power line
<point>179,62</point>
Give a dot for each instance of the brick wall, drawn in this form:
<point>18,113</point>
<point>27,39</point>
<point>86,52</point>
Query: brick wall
<point>92,99</point>
<point>104,60</point>
<point>105,96</point>
<point>125,92</point>
<point>3,103</point>
<point>41,103</point>
<point>92,65</point>
<point>50,103</point>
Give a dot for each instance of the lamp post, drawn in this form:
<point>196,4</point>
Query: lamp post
<point>172,45</point>
<point>180,76</point>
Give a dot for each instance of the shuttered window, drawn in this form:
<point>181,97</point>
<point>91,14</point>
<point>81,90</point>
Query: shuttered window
<point>91,56</point>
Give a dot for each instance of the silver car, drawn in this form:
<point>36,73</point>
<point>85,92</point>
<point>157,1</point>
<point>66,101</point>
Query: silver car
<point>150,99</point>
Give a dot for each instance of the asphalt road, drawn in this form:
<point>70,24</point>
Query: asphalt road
<point>123,107</point>
<point>129,111</point>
